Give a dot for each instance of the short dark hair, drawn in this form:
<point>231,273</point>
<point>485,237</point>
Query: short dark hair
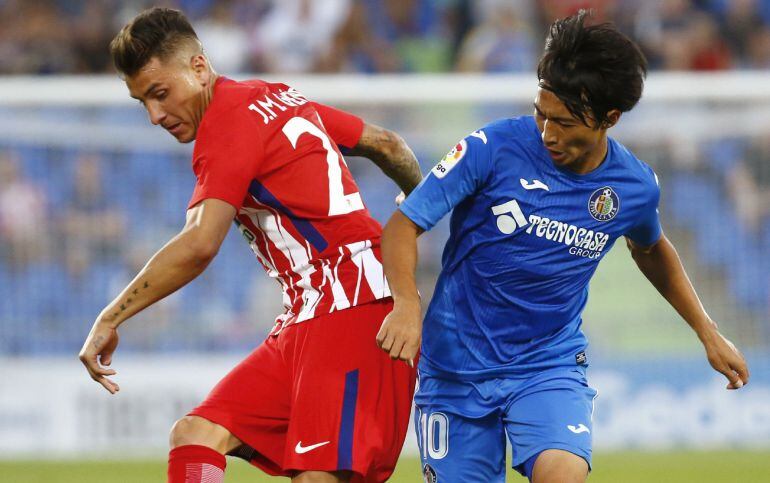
<point>156,32</point>
<point>592,69</point>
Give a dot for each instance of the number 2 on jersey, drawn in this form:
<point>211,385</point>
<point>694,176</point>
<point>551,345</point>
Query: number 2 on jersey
<point>339,202</point>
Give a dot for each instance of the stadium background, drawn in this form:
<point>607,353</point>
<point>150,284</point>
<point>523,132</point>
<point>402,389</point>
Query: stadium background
<point>89,190</point>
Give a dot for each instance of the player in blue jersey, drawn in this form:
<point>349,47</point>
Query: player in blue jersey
<point>537,203</point>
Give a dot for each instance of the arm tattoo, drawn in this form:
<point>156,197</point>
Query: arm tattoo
<point>124,306</point>
<point>391,154</point>
<point>98,342</point>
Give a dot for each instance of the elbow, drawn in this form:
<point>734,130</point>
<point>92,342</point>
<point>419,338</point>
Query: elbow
<point>392,144</point>
<point>202,251</point>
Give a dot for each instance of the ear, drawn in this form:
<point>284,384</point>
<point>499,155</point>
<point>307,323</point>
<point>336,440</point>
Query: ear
<point>612,118</point>
<point>201,68</point>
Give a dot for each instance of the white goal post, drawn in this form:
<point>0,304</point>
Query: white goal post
<point>108,90</point>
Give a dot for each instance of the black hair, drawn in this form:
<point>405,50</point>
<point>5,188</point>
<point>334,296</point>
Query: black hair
<point>156,32</point>
<point>592,69</point>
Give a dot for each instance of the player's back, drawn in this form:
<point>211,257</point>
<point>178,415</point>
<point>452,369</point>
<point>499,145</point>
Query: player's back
<point>298,205</point>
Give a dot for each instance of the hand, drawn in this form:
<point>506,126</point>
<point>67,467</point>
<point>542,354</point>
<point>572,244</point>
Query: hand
<point>97,352</point>
<point>400,198</point>
<point>724,357</point>
<point>401,332</point>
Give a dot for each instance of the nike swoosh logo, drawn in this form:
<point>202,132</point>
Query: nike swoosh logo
<point>580,428</point>
<point>299,449</point>
<point>534,185</point>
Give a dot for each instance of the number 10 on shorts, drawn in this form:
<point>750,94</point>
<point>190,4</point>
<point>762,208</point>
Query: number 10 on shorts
<point>434,435</point>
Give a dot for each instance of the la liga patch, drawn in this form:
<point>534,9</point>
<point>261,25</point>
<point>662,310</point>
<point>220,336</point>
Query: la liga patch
<point>450,160</point>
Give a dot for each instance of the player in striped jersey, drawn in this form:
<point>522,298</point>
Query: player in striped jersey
<point>317,401</point>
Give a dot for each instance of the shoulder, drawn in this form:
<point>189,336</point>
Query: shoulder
<point>229,107</point>
<point>640,170</point>
<point>503,130</point>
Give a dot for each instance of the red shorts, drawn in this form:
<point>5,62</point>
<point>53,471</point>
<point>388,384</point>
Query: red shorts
<point>319,396</point>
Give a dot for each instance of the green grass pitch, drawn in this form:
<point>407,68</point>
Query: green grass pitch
<point>689,467</point>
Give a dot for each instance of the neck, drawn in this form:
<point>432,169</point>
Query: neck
<point>205,98</point>
<point>592,160</point>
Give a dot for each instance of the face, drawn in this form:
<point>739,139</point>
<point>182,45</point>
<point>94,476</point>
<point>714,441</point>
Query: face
<point>174,93</point>
<point>570,143</point>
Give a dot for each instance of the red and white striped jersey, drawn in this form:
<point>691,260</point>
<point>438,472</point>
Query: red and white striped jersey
<point>273,155</point>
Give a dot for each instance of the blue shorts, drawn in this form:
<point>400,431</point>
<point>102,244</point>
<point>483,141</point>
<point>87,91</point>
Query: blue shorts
<point>462,425</point>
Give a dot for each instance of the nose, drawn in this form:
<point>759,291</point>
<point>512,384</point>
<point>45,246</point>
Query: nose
<point>549,133</point>
<point>156,114</point>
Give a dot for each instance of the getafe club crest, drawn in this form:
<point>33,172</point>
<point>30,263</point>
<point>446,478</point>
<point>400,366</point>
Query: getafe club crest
<point>604,204</point>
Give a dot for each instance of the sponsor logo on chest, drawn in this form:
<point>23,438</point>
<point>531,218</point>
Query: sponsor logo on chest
<point>603,205</point>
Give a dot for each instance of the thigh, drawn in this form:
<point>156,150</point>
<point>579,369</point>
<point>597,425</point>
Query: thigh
<point>456,448</point>
<point>557,465</point>
<point>253,402</point>
<point>351,402</point>
<point>553,411</point>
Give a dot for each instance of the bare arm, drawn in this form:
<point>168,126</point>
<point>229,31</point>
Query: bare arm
<point>661,265</point>
<point>390,152</point>
<point>182,259</point>
<point>401,330</point>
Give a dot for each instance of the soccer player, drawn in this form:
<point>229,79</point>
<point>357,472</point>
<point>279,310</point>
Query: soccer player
<point>537,203</point>
<point>317,401</point>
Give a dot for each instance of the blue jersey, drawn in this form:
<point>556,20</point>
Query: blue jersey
<point>525,239</point>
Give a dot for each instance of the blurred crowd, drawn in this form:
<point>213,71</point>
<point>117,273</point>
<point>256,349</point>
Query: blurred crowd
<point>77,224</point>
<point>373,36</point>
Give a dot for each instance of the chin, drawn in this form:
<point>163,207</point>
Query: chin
<point>185,138</point>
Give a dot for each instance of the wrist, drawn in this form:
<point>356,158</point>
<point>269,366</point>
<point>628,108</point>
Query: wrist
<point>408,302</point>
<point>108,320</point>
<point>707,331</point>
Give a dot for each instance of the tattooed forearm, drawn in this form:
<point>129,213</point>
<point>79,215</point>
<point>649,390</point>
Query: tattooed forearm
<point>391,153</point>
<point>123,306</point>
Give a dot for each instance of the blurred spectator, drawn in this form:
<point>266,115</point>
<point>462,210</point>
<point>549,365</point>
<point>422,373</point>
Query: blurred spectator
<point>415,30</point>
<point>555,9</point>
<point>296,33</point>
<point>34,38</point>
<point>24,217</point>
<point>741,19</point>
<point>709,50</point>
<point>225,41</point>
<point>749,184</point>
<point>92,221</point>
<point>502,42</point>
<point>354,49</point>
<point>90,35</point>
<point>758,56</point>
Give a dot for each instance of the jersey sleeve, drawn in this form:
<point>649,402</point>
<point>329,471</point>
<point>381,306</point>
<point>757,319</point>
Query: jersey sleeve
<point>227,153</point>
<point>460,174</point>
<point>344,128</point>
<point>646,232</point>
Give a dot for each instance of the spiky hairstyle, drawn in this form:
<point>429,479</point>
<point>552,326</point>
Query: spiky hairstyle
<point>593,69</point>
<point>157,32</point>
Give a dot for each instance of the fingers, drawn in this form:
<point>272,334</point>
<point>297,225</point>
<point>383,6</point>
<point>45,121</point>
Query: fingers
<point>408,353</point>
<point>398,347</point>
<point>99,373</point>
<point>384,339</point>
<point>738,375</point>
<point>735,380</point>
<point>109,385</point>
